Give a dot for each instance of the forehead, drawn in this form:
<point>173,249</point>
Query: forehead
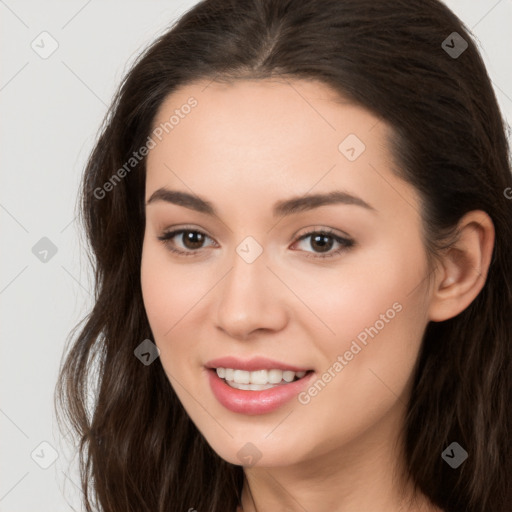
<point>268,137</point>
<point>260,107</point>
<point>258,124</point>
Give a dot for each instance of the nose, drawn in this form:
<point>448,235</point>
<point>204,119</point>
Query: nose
<point>251,299</point>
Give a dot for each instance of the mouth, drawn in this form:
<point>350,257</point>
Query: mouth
<point>257,391</point>
<point>258,380</point>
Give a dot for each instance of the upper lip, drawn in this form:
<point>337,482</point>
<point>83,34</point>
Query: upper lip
<point>256,363</point>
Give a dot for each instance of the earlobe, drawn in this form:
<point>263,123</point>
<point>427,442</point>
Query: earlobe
<point>464,267</point>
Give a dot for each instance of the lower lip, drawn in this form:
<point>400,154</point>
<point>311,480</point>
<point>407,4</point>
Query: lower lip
<point>255,402</point>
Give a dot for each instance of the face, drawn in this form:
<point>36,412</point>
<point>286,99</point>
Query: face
<point>335,288</point>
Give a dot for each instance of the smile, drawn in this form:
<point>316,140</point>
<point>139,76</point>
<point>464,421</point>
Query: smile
<point>252,398</point>
<point>258,380</point>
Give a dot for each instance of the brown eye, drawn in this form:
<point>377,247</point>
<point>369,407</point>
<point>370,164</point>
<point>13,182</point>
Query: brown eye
<point>192,239</point>
<point>323,241</point>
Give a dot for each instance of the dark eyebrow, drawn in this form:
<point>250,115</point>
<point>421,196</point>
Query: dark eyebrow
<point>281,208</point>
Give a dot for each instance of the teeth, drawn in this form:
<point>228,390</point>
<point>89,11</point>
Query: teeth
<point>242,377</point>
<point>288,376</point>
<point>249,387</point>
<point>275,376</point>
<point>259,379</point>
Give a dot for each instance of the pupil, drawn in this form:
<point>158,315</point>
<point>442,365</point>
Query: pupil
<point>194,240</point>
<point>318,240</point>
<point>189,239</point>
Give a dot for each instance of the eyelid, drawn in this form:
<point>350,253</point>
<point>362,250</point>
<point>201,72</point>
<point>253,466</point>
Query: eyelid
<point>344,240</point>
<point>170,233</point>
<point>315,228</point>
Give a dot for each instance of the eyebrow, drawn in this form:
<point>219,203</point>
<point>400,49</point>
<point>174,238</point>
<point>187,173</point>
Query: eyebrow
<point>281,208</point>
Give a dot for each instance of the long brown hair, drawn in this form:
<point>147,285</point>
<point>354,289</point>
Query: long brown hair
<point>139,451</point>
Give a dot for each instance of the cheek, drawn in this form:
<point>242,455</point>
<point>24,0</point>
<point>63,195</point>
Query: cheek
<point>161,301</point>
<point>171,294</point>
<point>370,289</point>
<point>367,369</point>
<point>377,313</point>
<point>157,291</point>
<point>168,291</point>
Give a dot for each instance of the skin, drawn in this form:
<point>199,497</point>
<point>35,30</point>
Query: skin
<point>245,146</point>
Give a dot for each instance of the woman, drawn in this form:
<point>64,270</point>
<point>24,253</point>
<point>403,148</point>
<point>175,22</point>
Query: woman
<point>301,229</point>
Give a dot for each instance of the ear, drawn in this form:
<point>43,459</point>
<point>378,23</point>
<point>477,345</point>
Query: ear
<point>464,267</point>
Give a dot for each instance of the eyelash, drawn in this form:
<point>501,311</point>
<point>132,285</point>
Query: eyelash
<point>346,243</point>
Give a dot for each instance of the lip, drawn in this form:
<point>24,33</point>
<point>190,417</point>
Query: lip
<point>256,363</point>
<point>255,402</point>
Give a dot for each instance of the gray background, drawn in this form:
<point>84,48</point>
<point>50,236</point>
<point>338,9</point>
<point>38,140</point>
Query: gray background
<point>51,109</point>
